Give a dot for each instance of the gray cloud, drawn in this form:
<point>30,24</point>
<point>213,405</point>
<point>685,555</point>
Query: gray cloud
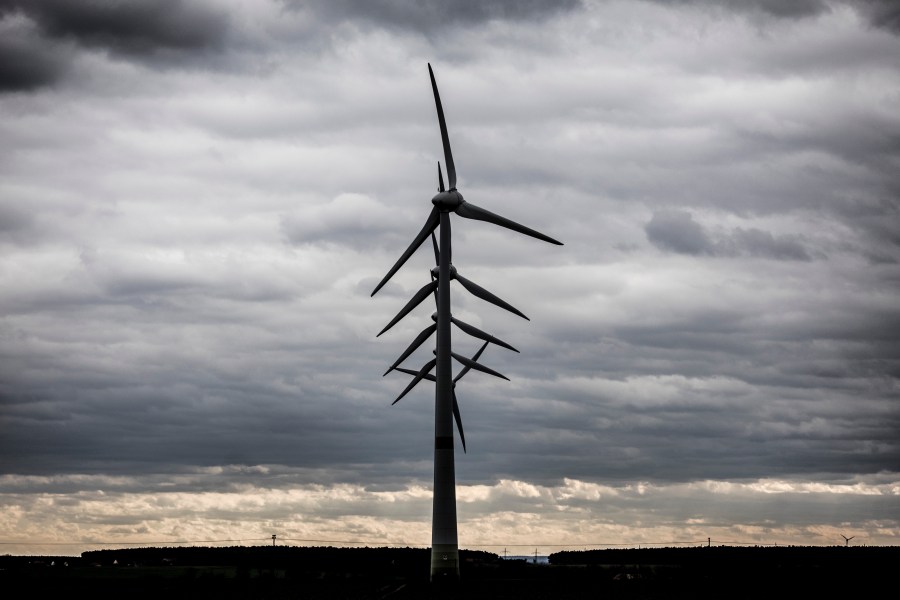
<point>755,242</point>
<point>677,231</point>
<point>350,219</point>
<point>16,224</point>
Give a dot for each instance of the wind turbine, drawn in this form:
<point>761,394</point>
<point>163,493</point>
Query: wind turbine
<point>444,540</point>
<point>847,539</point>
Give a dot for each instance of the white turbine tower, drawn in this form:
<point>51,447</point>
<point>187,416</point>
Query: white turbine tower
<point>444,541</point>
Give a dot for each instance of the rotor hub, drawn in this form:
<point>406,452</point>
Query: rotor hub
<point>436,272</point>
<point>448,201</point>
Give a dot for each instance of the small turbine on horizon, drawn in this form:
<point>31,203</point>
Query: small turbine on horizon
<point>847,539</point>
<point>444,540</point>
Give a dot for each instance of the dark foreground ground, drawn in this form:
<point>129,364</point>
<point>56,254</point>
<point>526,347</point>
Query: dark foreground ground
<point>398,574</point>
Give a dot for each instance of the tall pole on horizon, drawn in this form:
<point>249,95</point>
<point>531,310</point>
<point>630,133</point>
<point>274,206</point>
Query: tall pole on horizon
<point>444,539</point>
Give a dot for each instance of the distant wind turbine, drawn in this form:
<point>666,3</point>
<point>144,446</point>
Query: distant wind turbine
<point>847,539</point>
<point>444,540</point>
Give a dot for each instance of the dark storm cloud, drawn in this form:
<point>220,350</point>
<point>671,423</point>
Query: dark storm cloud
<point>433,15</point>
<point>882,14</point>
<point>790,417</point>
<point>212,417</point>
<point>26,61</point>
<point>677,231</point>
<point>37,35</point>
<point>130,27</point>
<point>776,8</point>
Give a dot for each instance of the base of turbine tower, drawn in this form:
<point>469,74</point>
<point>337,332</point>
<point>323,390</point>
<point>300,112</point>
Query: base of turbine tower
<point>444,563</point>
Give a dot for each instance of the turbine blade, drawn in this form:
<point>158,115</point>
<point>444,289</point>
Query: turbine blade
<point>437,252</point>
<point>470,211</point>
<point>427,376</point>
<point>433,220</point>
<point>419,376</point>
<point>466,369</point>
<point>423,293</point>
<point>448,155</point>
<point>475,332</point>
<point>420,339</point>
<point>477,366</point>
<point>482,293</point>
<point>462,435</point>
<point>434,279</point>
<point>440,178</point>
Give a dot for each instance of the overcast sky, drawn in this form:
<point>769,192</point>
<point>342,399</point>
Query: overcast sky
<point>198,197</point>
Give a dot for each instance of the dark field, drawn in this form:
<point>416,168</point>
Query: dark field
<point>401,573</point>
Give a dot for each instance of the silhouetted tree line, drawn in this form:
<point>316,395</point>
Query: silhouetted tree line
<point>357,560</point>
<point>767,557</point>
<point>402,573</point>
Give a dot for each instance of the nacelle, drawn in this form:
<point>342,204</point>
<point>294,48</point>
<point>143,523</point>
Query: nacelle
<point>449,200</point>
